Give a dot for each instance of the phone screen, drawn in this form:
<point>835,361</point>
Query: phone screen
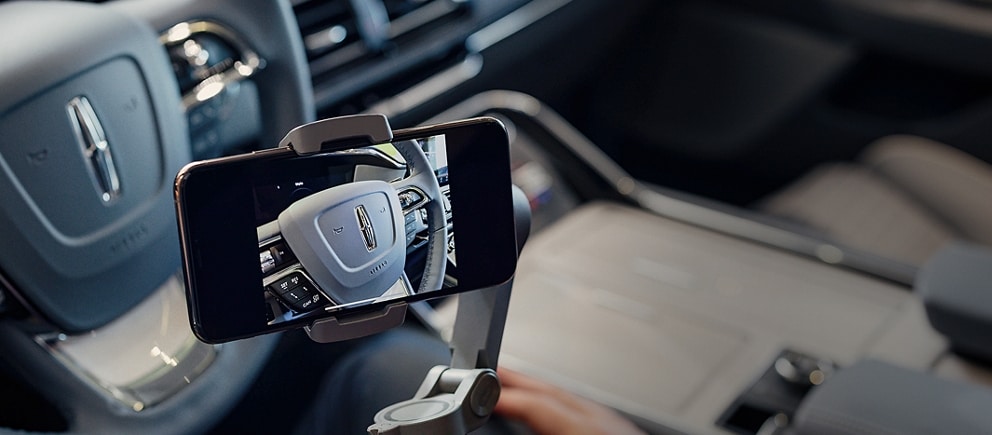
<point>291,291</point>
<point>274,240</point>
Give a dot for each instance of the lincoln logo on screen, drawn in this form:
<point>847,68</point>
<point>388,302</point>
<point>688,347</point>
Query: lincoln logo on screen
<point>365,226</point>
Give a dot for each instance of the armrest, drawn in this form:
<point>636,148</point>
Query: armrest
<point>880,398</point>
<point>956,288</point>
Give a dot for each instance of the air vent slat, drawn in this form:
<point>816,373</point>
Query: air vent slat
<point>412,19</point>
<point>334,45</point>
<point>326,26</point>
<point>314,14</point>
<point>337,58</point>
<point>327,39</point>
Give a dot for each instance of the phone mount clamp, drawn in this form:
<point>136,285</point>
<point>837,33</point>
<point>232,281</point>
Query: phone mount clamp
<point>338,133</point>
<point>454,399</point>
<point>334,134</point>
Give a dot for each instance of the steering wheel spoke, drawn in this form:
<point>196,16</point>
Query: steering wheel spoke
<point>416,190</point>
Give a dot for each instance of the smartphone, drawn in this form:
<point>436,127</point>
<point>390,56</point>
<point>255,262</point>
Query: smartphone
<point>272,240</point>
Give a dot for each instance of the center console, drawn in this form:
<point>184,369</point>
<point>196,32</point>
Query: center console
<point>685,315</point>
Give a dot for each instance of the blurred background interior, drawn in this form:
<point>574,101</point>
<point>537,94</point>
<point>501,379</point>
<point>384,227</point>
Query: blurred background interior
<point>750,216</point>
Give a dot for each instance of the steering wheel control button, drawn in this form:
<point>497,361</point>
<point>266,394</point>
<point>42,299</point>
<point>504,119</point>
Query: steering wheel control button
<point>297,292</point>
<point>297,295</point>
<point>410,198</point>
<point>267,261</point>
<point>287,283</point>
<point>303,298</point>
<point>275,257</point>
<point>411,227</point>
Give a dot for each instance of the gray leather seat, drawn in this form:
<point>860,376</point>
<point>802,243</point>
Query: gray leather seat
<point>874,397</point>
<point>905,198</point>
<point>902,199</point>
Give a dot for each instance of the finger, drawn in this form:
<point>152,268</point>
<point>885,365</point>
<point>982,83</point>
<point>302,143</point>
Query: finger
<point>586,416</point>
<point>514,379</point>
<point>541,415</point>
<point>544,415</point>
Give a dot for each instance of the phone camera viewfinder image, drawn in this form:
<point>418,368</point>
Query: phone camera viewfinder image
<point>327,243</point>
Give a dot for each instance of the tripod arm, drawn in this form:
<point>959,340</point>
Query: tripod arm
<point>460,398</point>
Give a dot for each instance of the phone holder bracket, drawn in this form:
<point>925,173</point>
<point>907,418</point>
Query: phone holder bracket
<point>449,401</point>
<point>460,398</point>
<point>338,133</point>
<point>334,329</point>
<point>329,135</point>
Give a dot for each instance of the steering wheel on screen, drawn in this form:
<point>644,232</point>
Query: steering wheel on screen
<point>423,179</point>
<point>352,240</point>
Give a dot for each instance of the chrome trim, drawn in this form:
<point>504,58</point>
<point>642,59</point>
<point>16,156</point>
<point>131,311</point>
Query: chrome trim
<point>292,268</point>
<point>13,296</point>
<point>471,66</point>
<point>430,88</point>
<point>325,39</point>
<point>512,23</point>
<point>728,220</point>
<point>419,17</point>
<point>414,205</point>
<point>212,86</point>
<point>365,226</point>
<point>143,357</point>
<point>91,137</point>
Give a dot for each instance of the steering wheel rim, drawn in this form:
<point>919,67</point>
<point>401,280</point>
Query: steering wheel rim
<point>423,178</point>
<point>285,100</point>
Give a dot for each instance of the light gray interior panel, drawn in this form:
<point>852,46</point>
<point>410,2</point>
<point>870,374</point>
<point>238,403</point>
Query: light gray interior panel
<point>670,322</point>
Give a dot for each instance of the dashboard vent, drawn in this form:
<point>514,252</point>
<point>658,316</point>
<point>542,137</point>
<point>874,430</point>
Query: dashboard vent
<point>342,35</point>
<point>329,28</point>
<point>410,16</point>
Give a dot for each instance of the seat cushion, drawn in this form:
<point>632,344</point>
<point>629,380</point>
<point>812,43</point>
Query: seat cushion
<point>856,207</point>
<point>953,185</point>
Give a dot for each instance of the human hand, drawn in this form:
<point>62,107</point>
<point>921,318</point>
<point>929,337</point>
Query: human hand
<point>546,409</point>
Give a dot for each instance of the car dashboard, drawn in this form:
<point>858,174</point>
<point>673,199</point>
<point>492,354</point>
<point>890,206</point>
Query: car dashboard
<point>644,136</point>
